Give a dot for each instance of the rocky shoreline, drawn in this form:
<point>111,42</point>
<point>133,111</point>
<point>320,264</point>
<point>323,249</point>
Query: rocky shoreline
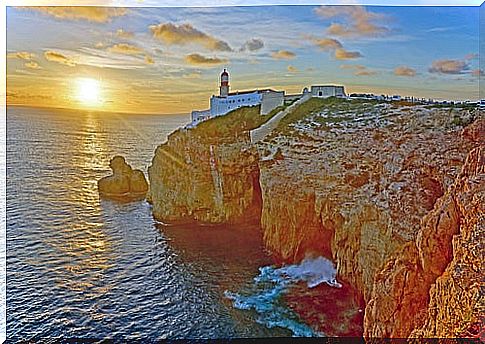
<point>392,193</point>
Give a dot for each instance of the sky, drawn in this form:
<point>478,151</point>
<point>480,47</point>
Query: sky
<point>168,60</point>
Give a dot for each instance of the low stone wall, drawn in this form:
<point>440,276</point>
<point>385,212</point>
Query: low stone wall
<point>261,132</point>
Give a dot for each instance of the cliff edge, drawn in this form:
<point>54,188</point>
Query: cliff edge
<point>390,192</point>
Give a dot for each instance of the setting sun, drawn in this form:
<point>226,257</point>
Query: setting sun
<point>88,91</point>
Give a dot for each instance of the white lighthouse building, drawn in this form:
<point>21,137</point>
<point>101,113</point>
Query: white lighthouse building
<point>268,99</point>
<point>228,101</point>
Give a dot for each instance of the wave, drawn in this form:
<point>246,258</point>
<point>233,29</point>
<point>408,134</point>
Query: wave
<point>265,295</point>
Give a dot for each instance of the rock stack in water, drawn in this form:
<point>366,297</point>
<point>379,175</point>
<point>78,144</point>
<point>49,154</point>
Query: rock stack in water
<point>125,183</point>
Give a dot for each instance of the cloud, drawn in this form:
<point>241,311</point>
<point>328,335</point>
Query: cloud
<point>21,55</point>
<point>32,65</point>
<point>55,56</point>
<point>89,13</point>
<point>327,43</point>
<point>127,49</point>
<point>449,67</point>
<point>185,34</point>
<point>197,59</point>
<point>193,75</point>
<point>358,21</point>
<point>478,72</point>
<point>149,60</point>
<point>124,34</point>
<point>359,70</point>
<point>99,45</point>
<point>252,45</point>
<point>283,55</point>
<point>404,71</point>
<point>471,56</point>
<point>292,69</point>
<point>342,54</point>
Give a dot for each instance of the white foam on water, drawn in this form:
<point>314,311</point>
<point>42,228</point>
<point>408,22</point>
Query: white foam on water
<point>264,296</point>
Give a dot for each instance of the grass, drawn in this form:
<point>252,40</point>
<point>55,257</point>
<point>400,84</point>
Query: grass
<point>302,111</point>
<point>335,107</point>
<point>234,123</point>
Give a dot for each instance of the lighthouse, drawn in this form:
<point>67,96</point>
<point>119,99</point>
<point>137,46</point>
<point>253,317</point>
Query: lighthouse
<point>224,88</point>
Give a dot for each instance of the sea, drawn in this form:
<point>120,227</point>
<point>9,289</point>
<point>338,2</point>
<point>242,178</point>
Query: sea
<point>82,267</point>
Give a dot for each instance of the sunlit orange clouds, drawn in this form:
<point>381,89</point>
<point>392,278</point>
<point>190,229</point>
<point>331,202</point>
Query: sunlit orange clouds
<point>359,21</point>
<point>55,56</point>
<point>342,54</point>
<point>404,71</point>
<point>283,55</point>
<point>89,13</point>
<point>199,60</point>
<point>184,34</point>
<point>23,55</point>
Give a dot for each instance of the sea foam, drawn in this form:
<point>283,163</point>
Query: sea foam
<point>264,296</point>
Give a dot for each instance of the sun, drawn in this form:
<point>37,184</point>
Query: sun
<point>88,91</point>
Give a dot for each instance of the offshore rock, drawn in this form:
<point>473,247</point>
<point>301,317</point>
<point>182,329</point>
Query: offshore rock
<point>125,183</point>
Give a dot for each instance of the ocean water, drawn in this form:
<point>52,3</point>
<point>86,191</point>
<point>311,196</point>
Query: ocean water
<point>81,267</point>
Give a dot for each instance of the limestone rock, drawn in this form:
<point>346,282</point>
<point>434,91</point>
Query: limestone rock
<point>432,288</point>
<point>373,187</point>
<point>193,178</point>
<point>124,183</point>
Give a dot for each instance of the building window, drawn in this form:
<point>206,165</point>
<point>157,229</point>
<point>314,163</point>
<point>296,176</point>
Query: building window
<point>320,93</point>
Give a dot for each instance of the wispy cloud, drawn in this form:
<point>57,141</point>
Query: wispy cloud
<point>185,34</point>
<point>32,65</point>
<point>58,57</point>
<point>404,71</point>
<point>283,55</point>
<point>149,60</point>
<point>292,69</point>
<point>197,59</point>
<point>22,55</point>
<point>89,13</point>
<point>253,44</point>
<point>360,70</point>
<point>124,48</point>
<point>124,34</point>
<point>358,21</point>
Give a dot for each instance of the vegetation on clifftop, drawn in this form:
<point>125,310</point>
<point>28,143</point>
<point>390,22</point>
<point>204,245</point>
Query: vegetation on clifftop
<point>234,124</point>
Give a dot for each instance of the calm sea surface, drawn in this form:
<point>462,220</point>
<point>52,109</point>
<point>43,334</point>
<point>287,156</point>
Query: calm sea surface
<point>81,267</point>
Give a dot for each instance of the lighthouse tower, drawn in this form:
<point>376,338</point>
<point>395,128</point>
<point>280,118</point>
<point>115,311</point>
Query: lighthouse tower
<point>224,88</point>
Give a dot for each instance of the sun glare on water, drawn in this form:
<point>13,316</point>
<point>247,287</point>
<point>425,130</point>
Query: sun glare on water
<point>88,91</point>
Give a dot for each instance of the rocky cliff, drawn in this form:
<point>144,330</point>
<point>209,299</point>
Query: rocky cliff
<point>372,186</point>
<point>208,174</point>
<point>432,288</point>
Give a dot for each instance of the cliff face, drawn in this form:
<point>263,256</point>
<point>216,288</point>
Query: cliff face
<point>432,289</point>
<point>355,181</point>
<point>383,190</point>
<point>196,179</point>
